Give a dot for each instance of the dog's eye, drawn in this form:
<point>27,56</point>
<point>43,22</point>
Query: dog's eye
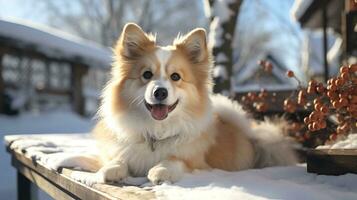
<point>147,75</point>
<point>175,77</point>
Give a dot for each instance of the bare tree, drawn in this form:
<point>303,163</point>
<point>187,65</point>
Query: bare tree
<point>95,20</point>
<point>102,20</point>
<point>223,20</point>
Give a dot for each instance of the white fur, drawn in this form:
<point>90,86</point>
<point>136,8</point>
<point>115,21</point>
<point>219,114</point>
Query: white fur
<point>182,134</point>
<point>163,55</point>
<point>135,151</point>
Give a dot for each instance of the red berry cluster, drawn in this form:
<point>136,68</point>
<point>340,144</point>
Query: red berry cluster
<point>338,98</point>
<point>258,100</point>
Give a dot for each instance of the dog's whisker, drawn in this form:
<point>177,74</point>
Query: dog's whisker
<point>134,101</point>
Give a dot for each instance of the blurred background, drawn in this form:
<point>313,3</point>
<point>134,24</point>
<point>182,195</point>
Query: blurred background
<point>55,56</point>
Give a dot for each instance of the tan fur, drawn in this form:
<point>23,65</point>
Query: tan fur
<point>202,132</point>
<point>228,146</point>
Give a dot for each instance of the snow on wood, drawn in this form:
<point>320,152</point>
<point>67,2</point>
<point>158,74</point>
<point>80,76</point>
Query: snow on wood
<point>55,121</point>
<point>291,182</point>
<point>270,183</point>
<point>348,143</point>
<point>55,43</point>
<point>55,150</point>
<point>288,183</point>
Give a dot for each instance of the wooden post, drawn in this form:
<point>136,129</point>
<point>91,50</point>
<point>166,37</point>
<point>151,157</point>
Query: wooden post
<point>324,25</point>
<point>223,50</point>
<point>78,101</point>
<point>2,85</point>
<point>23,187</point>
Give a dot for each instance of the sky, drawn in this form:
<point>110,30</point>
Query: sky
<point>277,10</point>
<point>21,9</point>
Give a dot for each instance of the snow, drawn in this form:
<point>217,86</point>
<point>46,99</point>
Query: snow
<point>55,43</point>
<point>52,150</point>
<point>219,71</point>
<point>288,183</point>
<point>222,13</point>
<point>258,87</point>
<point>57,121</point>
<point>214,36</point>
<point>348,143</point>
<point>298,9</point>
<point>221,9</point>
<point>207,9</point>
<point>221,57</point>
<point>251,70</point>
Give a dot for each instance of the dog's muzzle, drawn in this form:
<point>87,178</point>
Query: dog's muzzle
<point>160,111</point>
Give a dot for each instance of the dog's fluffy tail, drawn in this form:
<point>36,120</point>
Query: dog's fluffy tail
<point>270,146</point>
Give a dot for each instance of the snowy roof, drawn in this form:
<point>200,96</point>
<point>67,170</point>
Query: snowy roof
<point>309,13</point>
<point>56,43</point>
<point>299,8</point>
<point>247,72</point>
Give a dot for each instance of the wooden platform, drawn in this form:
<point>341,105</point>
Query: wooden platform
<point>332,161</point>
<point>61,186</point>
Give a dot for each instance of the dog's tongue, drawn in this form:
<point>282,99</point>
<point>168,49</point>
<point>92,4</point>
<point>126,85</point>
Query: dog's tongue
<point>159,112</point>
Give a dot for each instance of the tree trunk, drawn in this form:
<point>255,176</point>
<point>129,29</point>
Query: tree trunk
<point>223,22</point>
<point>2,85</point>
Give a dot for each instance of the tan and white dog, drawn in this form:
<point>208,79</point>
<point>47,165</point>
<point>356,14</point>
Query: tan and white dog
<point>159,119</point>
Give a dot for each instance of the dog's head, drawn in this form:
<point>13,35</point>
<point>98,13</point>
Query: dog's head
<point>150,81</point>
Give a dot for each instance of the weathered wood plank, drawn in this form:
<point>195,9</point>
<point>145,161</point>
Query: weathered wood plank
<point>125,191</point>
<point>29,175</point>
<point>60,185</point>
<point>77,189</point>
<point>332,161</point>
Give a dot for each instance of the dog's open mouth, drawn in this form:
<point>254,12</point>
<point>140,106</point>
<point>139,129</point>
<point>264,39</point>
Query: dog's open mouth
<point>160,111</point>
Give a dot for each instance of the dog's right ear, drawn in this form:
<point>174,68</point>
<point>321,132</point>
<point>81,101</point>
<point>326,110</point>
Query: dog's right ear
<point>133,42</point>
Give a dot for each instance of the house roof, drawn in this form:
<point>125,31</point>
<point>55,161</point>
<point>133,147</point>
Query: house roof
<point>309,13</point>
<point>246,76</point>
<point>54,43</point>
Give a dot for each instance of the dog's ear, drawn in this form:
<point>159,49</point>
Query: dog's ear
<point>194,45</point>
<point>133,41</point>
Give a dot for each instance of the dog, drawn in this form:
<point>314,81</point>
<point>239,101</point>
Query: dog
<point>159,118</point>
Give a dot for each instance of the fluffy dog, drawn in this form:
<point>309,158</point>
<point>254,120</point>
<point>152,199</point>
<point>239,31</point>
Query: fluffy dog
<point>159,119</point>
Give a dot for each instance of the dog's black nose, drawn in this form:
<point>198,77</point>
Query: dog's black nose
<point>160,94</point>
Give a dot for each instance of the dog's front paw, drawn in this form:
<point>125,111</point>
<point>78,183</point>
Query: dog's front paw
<point>158,175</point>
<point>113,173</point>
<point>87,178</point>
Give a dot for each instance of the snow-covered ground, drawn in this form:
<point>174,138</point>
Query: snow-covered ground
<point>292,183</point>
<point>60,121</point>
<point>270,183</point>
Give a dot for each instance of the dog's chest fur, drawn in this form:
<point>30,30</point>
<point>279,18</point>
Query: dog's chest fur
<point>144,155</point>
<point>141,156</point>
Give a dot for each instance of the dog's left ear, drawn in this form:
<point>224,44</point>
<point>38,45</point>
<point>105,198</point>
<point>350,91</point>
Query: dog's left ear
<point>194,44</point>
<point>134,42</point>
